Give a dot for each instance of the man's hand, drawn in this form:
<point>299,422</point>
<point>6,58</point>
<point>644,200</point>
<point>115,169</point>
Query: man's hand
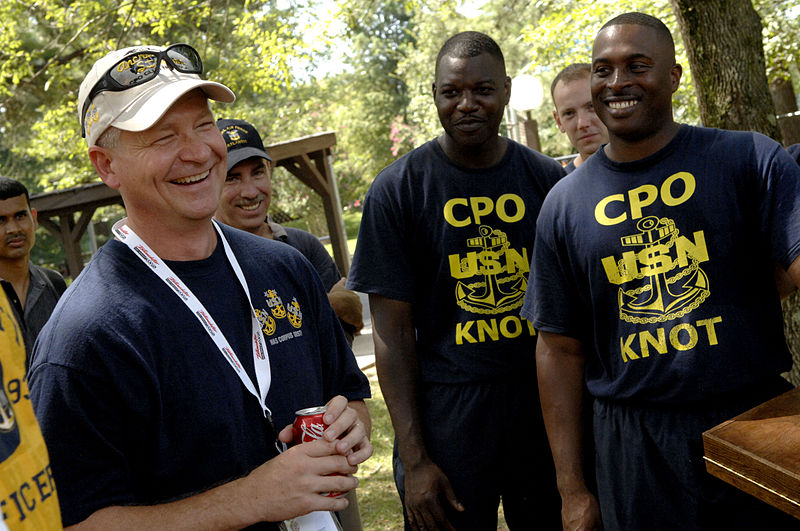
<point>347,305</point>
<point>427,492</point>
<point>347,430</point>
<point>299,478</point>
<point>580,512</point>
<point>296,482</point>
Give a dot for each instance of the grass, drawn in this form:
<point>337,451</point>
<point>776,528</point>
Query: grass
<point>377,497</point>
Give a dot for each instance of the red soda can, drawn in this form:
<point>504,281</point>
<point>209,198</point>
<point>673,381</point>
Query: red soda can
<point>307,427</point>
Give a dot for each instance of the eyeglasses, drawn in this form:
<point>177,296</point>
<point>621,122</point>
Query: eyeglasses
<point>140,67</point>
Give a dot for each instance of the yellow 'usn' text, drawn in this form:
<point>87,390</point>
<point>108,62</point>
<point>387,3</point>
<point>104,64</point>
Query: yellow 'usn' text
<point>655,259</point>
<point>489,263</point>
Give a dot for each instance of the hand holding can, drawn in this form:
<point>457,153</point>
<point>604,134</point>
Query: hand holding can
<point>308,426</point>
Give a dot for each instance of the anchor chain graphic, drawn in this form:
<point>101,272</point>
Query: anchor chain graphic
<point>498,291</point>
<point>662,297</point>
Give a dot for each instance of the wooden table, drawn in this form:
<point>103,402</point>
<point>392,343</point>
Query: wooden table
<point>759,452</point>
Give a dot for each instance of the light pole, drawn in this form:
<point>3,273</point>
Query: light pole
<point>527,94</point>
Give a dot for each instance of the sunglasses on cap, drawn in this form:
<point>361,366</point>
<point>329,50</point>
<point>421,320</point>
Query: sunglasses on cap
<point>138,68</point>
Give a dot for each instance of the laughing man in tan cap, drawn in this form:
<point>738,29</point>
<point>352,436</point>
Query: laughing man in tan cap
<point>163,381</point>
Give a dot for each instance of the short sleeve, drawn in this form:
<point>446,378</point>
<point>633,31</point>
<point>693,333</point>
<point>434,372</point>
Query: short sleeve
<point>381,264</point>
<point>552,302</point>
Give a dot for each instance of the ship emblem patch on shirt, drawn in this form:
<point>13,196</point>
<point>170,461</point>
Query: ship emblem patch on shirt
<point>268,324</point>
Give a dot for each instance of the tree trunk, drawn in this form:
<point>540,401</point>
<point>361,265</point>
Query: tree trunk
<point>786,103</point>
<point>726,55</point>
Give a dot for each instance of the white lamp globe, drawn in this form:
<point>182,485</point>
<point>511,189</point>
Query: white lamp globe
<point>527,93</point>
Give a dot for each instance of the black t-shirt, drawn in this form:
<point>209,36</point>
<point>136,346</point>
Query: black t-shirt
<point>136,403</point>
<point>456,243</point>
<point>663,267</point>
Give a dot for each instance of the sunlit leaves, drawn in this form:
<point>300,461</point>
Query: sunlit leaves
<point>46,47</point>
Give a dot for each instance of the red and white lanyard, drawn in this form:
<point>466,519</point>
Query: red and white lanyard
<point>260,356</point>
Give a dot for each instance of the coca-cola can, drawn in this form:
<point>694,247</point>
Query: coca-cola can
<point>307,427</point>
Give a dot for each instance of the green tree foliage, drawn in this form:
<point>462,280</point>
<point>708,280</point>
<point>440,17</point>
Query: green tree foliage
<point>379,103</point>
<point>47,46</point>
<point>371,93</point>
<point>359,101</point>
<point>781,32</point>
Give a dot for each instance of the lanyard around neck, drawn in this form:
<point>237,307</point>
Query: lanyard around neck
<point>260,356</point>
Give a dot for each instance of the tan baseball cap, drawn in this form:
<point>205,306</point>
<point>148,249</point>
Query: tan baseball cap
<point>139,107</point>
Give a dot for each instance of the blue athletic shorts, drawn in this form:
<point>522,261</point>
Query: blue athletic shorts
<point>651,474</point>
<point>489,439</point>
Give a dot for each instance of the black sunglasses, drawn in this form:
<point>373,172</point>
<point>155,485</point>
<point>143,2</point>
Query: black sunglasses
<point>140,67</point>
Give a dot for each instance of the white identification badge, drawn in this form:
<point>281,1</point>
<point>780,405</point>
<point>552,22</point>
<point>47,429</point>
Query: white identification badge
<point>316,521</point>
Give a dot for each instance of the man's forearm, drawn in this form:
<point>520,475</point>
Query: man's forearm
<point>288,485</point>
<point>560,375</point>
<point>223,507</point>
<point>398,373</point>
<point>400,387</point>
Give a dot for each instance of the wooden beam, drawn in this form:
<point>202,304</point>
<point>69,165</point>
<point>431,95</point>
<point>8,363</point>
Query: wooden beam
<point>50,225</point>
<point>301,167</point>
<point>333,215</point>
<point>71,234</point>
<point>74,199</point>
<point>83,222</point>
<point>71,248</point>
<point>301,146</point>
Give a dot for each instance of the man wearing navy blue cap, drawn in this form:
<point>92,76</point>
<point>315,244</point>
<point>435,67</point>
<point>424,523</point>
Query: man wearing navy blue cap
<point>244,204</point>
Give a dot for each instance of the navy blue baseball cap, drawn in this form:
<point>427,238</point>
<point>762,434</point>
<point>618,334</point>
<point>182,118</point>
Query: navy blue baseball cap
<point>242,141</point>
